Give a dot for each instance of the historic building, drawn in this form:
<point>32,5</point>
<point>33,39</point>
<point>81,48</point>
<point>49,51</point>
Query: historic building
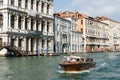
<point>95,34</point>
<point>114,32</point>
<point>67,38</point>
<point>27,24</point>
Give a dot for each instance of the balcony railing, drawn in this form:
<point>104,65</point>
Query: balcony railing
<point>35,33</point>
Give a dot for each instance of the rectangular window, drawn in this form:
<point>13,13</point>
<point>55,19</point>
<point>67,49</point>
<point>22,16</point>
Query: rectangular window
<point>20,3</point>
<point>12,2</point>
<point>42,9</point>
<point>1,2</point>
<point>26,4</point>
<point>12,21</point>
<point>32,23</point>
<point>37,5</point>
<point>32,4</point>
<point>26,22</point>
<point>48,9</point>
<point>1,21</point>
<point>19,22</point>
<point>81,21</point>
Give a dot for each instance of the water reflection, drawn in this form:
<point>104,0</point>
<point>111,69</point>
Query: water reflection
<point>46,68</point>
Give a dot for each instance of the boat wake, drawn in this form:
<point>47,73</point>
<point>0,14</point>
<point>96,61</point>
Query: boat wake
<point>101,66</point>
<point>75,72</point>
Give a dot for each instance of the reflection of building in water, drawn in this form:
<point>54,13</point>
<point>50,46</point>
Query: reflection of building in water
<point>27,24</point>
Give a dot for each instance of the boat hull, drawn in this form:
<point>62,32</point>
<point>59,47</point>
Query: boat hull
<point>76,66</point>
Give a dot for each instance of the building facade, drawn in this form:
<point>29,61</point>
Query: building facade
<point>67,38</point>
<point>96,34</point>
<point>114,32</point>
<point>27,24</point>
<point>75,36</point>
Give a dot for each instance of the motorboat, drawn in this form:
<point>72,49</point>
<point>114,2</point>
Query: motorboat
<point>76,63</point>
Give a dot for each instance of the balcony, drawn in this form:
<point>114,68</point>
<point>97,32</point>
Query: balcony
<point>35,33</point>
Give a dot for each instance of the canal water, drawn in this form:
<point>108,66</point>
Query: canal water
<point>46,68</point>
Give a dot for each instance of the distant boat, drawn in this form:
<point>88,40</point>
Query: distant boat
<point>76,63</point>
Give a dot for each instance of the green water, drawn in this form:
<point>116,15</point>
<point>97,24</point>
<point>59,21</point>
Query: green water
<point>46,68</point>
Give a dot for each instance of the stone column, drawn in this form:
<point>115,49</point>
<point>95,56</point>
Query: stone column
<point>35,46</point>
<point>16,42</point>
<point>24,43</point>
<point>5,27</point>
<point>29,23</point>
<point>29,4</point>
<point>34,5</point>
<point>16,22</point>
<point>9,21</point>
<point>23,23</point>
<point>5,21</point>
<point>16,2</point>
<point>45,8</point>
<point>23,3</point>
<point>51,9</point>
<point>45,26</point>
<point>39,7</point>
<point>29,43</point>
<point>34,25</point>
<point>51,27</point>
<point>39,26</point>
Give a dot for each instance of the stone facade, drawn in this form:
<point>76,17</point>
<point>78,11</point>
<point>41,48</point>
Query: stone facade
<point>98,34</point>
<point>67,38</point>
<point>27,24</point>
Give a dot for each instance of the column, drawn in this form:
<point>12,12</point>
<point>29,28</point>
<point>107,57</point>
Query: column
<point>45,8</point>
<point>35,46</point>
<point>29,23</point>
<point>24,43</point>
<point>34,25</point>
<point>51,27</point>
<point>23,3</point>
<point>29,47</point>
<point>16,2</point>
<point>39,26</point>
<point>52,46</point>
<point>9,20</point>
<point>29,4</point>
<point>34,5</point>
<point>16,22</point>
<point>23,23</point>
<point>45,22</point>
<point>16,42</point>
<point>51,9</point>
<point>46,47</point>
<point>5,21</point>
<point>5,27</point>
<point>39,7</point>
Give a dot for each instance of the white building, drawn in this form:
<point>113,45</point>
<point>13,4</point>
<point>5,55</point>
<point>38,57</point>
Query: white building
<point>114,32</point>
<point>67,39</point>
<point>95,35</point>
<point>75,36</point>
<point>27,24</point>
